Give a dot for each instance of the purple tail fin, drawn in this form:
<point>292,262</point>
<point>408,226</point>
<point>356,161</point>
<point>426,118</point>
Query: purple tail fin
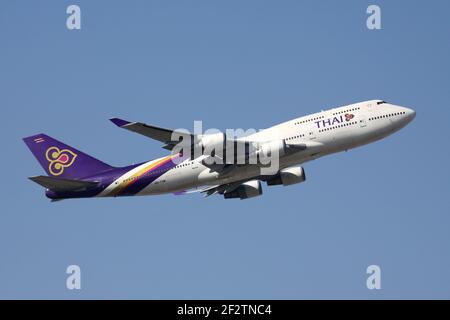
<point>61,160</point>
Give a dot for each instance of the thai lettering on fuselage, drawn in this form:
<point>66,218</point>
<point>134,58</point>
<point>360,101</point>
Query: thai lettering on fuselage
<point>334,121</point>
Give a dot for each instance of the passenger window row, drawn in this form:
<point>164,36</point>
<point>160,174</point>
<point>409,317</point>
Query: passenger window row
<point>295,137</point>
<point>184,164</point>
<point>345,111</point>
<point>309,120</point>
<point>339,126</point>
<point>387,116</point>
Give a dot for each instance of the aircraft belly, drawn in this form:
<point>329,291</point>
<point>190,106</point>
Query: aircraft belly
<point>173,181</point>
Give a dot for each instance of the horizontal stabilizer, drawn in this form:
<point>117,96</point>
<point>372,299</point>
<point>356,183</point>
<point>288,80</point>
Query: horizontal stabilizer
<point>62,185</point>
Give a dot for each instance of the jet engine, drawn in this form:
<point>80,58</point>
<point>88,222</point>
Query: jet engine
<point>209,143</point>
<point>287,177</point>
<point>278,146</point>
<point>243,152</point>
<point>231,151</point>
<point>212,140</point>
<point>246,190</point>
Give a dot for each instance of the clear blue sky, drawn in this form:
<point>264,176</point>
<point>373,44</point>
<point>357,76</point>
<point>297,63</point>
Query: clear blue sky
<point>232,64</point>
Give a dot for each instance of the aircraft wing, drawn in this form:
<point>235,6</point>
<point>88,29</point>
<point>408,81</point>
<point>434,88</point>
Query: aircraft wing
<point>166,135</point>
<point>157,133</point>
<point>221,189</point>
<point>227,187</point>
<point>214,189</point>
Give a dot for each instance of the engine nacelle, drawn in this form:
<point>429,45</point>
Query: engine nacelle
<point>228,150</point>
<point>242,152</point>
<point>272,148</point>
<point>288,176</point>
<point>212,140</point>
<point>246,190</point>
<point>209,144</point>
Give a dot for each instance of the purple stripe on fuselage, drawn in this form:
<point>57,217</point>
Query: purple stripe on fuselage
<point>108,177</point>
<point>105,179</point>
<point>148,177</point>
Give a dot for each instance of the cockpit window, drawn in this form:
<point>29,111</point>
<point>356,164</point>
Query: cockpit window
<point>381,102</point>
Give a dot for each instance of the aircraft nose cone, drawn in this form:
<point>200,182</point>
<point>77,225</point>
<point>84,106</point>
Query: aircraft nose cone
<point>406,115</point>
<point>410,114</point>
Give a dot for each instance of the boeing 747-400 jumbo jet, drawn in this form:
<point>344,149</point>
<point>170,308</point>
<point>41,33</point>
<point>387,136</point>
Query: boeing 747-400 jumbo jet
<point>74,174</point>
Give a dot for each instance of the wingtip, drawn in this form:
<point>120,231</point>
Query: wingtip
<point>119,122</point>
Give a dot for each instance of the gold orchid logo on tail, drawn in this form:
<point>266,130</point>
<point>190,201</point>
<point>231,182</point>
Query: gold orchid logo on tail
<point>59,160</point>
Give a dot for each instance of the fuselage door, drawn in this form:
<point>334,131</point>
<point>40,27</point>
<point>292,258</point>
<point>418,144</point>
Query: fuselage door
<point>363,121</point>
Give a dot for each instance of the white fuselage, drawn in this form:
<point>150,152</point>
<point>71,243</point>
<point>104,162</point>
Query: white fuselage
<point>323,133</point>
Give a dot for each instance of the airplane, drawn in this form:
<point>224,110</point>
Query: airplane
<point>74,174</point>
